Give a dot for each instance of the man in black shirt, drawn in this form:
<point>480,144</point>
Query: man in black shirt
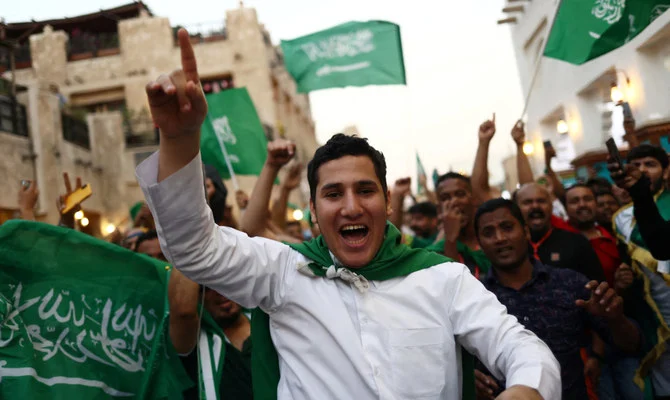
<point>552,246</point>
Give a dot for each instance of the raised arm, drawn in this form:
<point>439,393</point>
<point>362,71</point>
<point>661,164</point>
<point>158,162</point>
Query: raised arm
<point>522,162</point>
<point>288,184</point>
<point>178,107</point>
<point>556,184</point>
<point>480,171</point>
<point>27,200</point>
<point>183,296</point>
<point>251,272</point>
<point>254,220</point>
<point>401,189</point>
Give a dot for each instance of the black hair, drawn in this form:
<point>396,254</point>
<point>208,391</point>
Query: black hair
<point>291,223</point>
<point>149,235</point>
<point>495,204</point>
<point>425,208</point>
<point>598,184</point>
<point>218,201</point>
<point>341,145</point>
<point>648,150</point>
<point>579,185</point>
<point>599,193</point>
<point>453,175</point>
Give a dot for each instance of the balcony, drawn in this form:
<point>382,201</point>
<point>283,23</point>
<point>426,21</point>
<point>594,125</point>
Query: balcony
<point>75,131</point>
<point>139,129</point>
<point>13,116</point>
<point>84,45</point>
<point>203,32</point>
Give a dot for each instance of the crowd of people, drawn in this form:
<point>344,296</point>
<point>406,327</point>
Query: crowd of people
<point>560,292</point>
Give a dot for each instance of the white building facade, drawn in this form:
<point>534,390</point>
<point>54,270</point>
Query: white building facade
<point>581,95</point>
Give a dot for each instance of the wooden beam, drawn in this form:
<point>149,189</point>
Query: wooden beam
<point>512,9</point>
<point>511,20</point>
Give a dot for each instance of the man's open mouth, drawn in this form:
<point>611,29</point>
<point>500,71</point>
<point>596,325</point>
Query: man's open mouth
<point>354,234</point>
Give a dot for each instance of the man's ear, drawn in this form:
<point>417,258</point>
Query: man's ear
<point>312,212</point>
<point>389,209</point>
<point>666,173</point>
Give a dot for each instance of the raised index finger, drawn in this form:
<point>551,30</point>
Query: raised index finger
<point>188,63</point>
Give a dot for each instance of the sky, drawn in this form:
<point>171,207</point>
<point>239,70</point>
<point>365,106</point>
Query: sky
<point>459,63</point>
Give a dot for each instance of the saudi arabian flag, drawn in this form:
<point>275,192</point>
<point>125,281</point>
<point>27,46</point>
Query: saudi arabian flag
<point>350,54</point>
<point>420,171</point>
<point>82,319</point>
<point>233,129</point>
<point>586,29</point>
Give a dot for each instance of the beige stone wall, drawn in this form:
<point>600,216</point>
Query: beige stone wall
<point>89,74</point>
<point>107,151</point>
<point>15,165</point>
<point>47,137</point>
<point>49,56</point>
<point>147,49</point>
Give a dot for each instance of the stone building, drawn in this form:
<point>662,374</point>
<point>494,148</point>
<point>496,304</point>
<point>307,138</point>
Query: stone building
<point>79,103</point>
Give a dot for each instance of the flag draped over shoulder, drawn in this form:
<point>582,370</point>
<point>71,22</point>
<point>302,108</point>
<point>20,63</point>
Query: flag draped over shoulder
<point>586,29</point>
<point>232,122</point>
<point>350,54</point>
<point>82,319</point>
<point>646,306</point>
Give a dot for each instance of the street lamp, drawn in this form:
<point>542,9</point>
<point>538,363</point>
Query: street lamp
<point>79,215</point>
<point>562,127</point>
<point>110,228</point>
<point>84,222</point>
<point>616,94</point>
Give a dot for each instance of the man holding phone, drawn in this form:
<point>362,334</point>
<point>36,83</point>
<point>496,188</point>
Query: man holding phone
<point>649,293</point>
<point>28,195</point>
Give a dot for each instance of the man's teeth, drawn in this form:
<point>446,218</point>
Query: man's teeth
<point>353,227</point>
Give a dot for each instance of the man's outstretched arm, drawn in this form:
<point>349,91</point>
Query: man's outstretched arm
<point>178,108</point>
<point>251,272</point>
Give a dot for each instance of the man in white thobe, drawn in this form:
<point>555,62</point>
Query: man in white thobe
<point>338,335</point>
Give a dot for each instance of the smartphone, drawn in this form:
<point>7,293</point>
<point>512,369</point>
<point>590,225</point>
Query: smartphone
<point>627,112</point>
<point>614,151</point>
<point>77,197</point>
<point>547,144</point>
<point>25,184</point>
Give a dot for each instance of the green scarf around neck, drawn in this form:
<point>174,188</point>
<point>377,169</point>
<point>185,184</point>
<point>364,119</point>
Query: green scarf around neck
<point>470,257</point>
<point>393,260</point>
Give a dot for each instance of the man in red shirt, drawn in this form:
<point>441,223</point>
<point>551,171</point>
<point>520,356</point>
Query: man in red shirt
<point>580,202</point>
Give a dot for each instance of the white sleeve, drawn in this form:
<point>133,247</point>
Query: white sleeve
<point>482,325</point>
<point>251,272</point>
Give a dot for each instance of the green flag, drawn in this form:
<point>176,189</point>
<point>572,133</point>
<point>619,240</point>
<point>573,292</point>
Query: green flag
<point>350,54</point>
<point>420,171</point>
<point>232,122</point>
<point>436,176</point>
<point>82,319</point>
<point>586,29</point>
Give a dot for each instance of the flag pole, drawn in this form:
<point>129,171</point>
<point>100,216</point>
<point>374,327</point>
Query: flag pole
<point>233,177</point>
<point>538,63</point>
